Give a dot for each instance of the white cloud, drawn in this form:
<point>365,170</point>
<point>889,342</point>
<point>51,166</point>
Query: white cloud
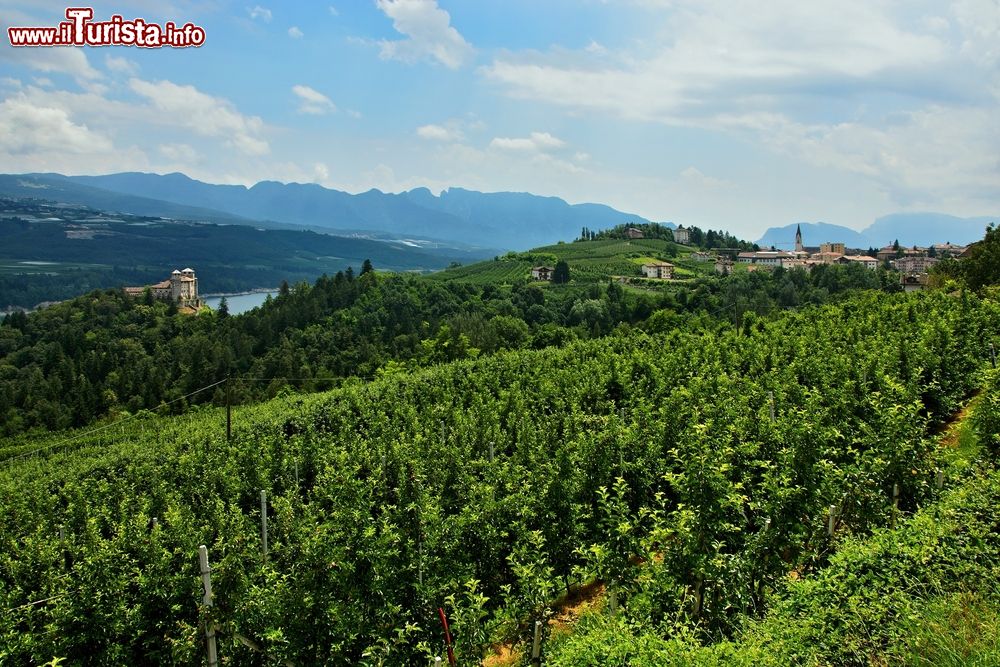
<point>295,33</point>
<point>439,133</point>
<point>537,142</point>
<point>312,101</point>
<point>69,61</point>
<point>321,172</point>
<point>27,129</point>
<point>694,177</point>
<point>849,85</point>
<point>262,13</point>
<point>121,65</point>
<point>182,153</point>
<point>203,114</point>
<point>429,34</point>
<point>333,11</point>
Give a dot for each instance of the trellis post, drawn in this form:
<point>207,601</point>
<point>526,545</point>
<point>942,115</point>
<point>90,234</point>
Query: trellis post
<point>206,580</point>
<point>263,523</point>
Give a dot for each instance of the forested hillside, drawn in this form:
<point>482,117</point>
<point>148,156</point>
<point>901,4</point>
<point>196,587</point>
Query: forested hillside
<point>691,470</point>
<point>107,353</point>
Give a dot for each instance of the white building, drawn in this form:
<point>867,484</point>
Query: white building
<point>768,258</point>
<point>682,235</point>
<point>660,270</point>
<point>864,260</point>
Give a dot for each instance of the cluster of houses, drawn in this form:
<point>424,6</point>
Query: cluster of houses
<point>912,263</point>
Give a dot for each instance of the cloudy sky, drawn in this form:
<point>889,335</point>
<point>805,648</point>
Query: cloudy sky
<point>721,113</point>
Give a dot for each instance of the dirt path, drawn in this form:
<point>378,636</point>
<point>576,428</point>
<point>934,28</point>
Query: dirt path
<point>951,430</point>
<point>566,611</point>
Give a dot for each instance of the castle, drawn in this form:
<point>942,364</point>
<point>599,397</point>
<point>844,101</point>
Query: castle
<point>181,288</point>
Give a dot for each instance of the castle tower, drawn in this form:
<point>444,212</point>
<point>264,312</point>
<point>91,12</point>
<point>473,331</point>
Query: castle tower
<point>798,239</point>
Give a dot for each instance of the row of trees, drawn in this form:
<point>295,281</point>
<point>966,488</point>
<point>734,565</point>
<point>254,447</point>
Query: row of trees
<point>706,240</point>
<point>652,462</point>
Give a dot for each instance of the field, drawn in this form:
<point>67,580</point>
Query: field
<point>589,261</point>
<point>691,471</point>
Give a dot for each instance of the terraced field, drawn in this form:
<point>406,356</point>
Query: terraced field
<point>589,261</point>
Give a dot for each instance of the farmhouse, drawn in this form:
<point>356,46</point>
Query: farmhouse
<point>633,233</point>
<point>682,235</point>
<point>181,288</point>
<point>541,272</point>
<point>660,270</point>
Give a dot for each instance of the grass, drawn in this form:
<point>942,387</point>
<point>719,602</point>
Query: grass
<point>957,630</point>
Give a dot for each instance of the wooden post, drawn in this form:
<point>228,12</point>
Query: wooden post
<point>536,645</point>
<point>770,396</point>
<point>831,520</point>
<point>767,524</point>
<point>206,580</point>
<point>697,598</point>
<point>263,523</point>
<point>296,473</point>
<point>229,410</point>
<point>939,478</point>
<point>155,523</point>
<point>437,661</point>
<point>895,505</point>
<point>447,637</point>
<point>993,355</point>
<point>491,451</point>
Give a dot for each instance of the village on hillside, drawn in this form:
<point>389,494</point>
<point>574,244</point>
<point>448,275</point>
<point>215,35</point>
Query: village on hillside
<point>913,264</point>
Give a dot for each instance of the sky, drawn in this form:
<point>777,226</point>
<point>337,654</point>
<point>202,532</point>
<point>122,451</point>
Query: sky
<point>719,113</point>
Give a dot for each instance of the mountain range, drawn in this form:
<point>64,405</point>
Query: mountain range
<point>507,220</point>
<point>909,229</point>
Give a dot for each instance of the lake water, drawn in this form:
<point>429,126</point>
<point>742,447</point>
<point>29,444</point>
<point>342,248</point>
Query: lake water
<point>240,303</point>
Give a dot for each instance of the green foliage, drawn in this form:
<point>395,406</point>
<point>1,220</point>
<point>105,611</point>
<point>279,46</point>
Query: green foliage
<point>560,275</point>
<point>387,499</point>
<point>982,266</point>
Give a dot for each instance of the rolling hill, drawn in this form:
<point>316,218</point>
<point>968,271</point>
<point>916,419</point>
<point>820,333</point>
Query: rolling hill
<point>589,261</point>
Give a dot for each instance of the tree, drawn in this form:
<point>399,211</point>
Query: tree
<point>982,266</point>
<point>223,308</point>
<point>366,267</point>
<point>561,273</point>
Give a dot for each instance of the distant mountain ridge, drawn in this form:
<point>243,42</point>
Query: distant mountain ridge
<point>500,219</point>
<point>909,229</point>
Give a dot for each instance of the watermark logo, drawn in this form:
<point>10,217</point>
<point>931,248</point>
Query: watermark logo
<point>79,29</point>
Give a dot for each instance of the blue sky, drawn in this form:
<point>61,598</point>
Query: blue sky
<point>725,114</point>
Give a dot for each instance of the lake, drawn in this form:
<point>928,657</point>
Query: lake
<point>239,303</point>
